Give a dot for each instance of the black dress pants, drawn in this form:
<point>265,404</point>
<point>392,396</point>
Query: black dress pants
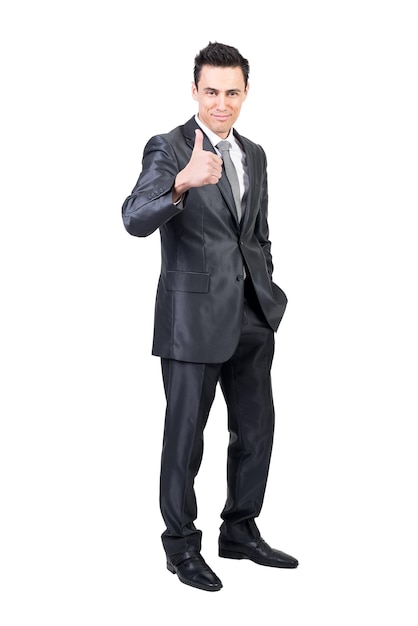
<point>190,390</point>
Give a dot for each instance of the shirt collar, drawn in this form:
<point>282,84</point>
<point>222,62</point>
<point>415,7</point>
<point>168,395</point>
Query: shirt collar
<point>213,137</point>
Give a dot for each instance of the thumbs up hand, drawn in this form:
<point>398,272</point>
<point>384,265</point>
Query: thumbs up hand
<point>198,142</point>
<point>204,168</point>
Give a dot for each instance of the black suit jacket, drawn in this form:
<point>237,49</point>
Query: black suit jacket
<point>199,302</point>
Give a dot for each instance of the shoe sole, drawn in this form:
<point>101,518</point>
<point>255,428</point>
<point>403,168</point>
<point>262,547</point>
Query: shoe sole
<point>226,554</point>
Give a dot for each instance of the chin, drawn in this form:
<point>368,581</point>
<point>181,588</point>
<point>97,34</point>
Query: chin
<point>221,128</point>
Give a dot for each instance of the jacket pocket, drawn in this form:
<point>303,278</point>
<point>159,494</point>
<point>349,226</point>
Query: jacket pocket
<point>194,282</point>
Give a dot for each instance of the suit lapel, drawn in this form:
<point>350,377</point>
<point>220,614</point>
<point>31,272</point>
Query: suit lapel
<point>252,173</point>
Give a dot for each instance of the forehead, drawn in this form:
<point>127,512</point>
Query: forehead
<point>222,78</point>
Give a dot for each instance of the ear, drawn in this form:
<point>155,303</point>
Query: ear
<point>194,92</point>
<point>246,90</point>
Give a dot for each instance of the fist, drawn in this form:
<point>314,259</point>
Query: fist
<point>204,167</point>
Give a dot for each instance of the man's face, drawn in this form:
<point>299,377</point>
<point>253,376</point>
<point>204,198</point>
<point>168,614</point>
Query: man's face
<point>220,94</point>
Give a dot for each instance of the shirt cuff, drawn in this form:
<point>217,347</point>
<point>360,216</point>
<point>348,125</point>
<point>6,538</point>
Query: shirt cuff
<point>179,201</point>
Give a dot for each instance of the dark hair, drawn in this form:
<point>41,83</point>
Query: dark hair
<point>220,55</point>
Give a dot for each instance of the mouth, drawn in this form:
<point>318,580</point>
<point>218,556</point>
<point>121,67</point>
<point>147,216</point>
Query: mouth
<point>220,118</point>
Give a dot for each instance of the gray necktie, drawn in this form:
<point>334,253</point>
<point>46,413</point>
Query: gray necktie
<point>231,173</point>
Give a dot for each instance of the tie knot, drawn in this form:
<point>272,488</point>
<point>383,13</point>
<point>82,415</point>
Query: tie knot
<point>223,146</point>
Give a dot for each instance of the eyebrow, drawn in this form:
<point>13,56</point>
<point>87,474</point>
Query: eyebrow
<point>217,90</point>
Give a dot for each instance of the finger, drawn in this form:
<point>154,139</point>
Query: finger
<point>198,143</point>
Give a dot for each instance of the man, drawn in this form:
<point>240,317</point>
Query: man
<point>216,312</point>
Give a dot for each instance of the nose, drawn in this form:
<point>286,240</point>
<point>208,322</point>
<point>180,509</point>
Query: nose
<point>220,104</point>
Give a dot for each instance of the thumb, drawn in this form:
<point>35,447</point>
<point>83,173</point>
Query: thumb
<point>198,143</point>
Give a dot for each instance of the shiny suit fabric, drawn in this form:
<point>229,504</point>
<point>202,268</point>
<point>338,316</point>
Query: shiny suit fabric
<point>200,295</point>
<point>216,312</point>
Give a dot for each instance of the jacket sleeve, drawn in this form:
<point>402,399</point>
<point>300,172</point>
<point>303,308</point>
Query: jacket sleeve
<point>261,226</point>
<point>150,204</point>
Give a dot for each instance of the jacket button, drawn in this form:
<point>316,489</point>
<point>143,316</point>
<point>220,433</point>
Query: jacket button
<point>240,278</point>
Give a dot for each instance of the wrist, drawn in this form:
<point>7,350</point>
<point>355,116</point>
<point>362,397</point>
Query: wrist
<point>181,185</point>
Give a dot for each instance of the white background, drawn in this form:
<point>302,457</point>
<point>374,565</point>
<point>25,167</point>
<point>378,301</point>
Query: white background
<point>333,100</point>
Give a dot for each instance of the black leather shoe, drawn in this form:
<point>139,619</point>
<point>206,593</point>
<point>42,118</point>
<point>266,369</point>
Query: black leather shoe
<point>192,570</point>
<point>258,551</point>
